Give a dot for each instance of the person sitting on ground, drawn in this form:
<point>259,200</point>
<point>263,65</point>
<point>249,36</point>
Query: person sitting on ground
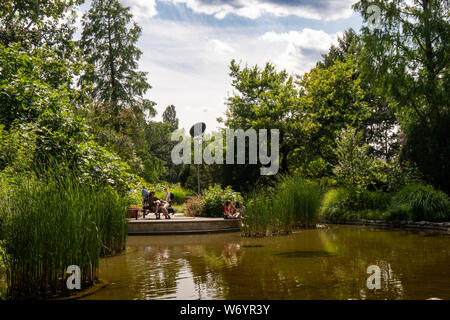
<point>145,205</point>
<point>228,211</point>
<point>239,206</point>
<point>157,205</point>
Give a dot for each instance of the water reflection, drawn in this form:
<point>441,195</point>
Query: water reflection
<point>310,264</point>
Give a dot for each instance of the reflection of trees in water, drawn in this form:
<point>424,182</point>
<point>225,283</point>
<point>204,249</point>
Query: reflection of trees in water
<point>311,264</point>
<point>157,272</point>
<point>405,260</point>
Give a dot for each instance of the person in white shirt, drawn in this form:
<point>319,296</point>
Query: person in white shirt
<point>168,199</point>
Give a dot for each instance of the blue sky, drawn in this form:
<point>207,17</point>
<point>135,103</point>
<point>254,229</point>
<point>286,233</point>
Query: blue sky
<point>187,45</point>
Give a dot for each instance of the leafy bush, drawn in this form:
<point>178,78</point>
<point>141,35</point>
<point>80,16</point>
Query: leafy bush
<point>398,213</point>
<point>178,192</point>
<point>194,206</point>
<point>425,203</point>
<point>215,197</point>
<point>353,203</point>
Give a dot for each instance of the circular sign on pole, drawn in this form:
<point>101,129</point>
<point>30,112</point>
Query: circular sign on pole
<point>197,129</point>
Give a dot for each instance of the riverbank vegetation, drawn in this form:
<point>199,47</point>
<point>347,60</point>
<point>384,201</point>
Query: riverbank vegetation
<point>293,202</point>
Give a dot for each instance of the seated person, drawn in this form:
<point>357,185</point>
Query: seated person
<point>145,205</point>
<point>228,211</point>
<point>169,198</point>
<point>239,208</point>
<point>157,205</point>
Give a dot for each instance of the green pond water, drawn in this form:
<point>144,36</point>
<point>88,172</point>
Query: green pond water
<point>309,264</point>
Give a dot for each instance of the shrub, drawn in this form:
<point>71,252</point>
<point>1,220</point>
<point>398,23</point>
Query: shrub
<point>425,203</point>
<point>194,206</point>
<point>398,213</point>
<point>352,203</point>
<point>178,192</point>
<point>215,197</point>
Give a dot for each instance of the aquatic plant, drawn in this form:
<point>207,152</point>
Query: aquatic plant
<point>294,202</point>
<point>51,221</point>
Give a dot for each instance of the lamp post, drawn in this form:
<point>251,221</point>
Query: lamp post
<point>196,132</point>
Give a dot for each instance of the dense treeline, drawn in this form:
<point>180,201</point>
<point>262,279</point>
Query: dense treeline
<point>81,101</point>
<point>389,85</point>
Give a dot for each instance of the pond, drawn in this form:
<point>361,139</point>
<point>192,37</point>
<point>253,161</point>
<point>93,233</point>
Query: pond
<point>309,264</point>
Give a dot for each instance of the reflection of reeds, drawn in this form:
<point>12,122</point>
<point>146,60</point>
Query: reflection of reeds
<point>55,222</point>
<point>294,203</point>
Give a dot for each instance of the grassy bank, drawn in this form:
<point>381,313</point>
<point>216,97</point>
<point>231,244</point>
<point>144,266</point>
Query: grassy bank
<point>52,222</point>
<point>414,202</point>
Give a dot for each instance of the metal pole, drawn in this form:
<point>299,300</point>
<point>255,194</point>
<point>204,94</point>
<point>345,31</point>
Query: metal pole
<point>198,178</point>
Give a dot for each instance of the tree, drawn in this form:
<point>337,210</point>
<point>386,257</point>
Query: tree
<point>108,42</point>
<point>355,166</point>
<point>381,128</point>
<point>332,99</point>
<point>170,116</point>
<point>406,58</point>
<point>265,98</point>
<point>35,24</point>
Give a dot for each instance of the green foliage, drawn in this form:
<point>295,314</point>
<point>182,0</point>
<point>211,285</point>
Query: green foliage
<point>265,98</point>
<point>298,200</point>
<point>353,203</point>
<point>406,59</point>
<point>178,192</point>
<point>215,197</point>
<point>108,43</point>
<point>424,202</point>
<point>170,116</point>
<point>294,202</point>
<point>258,217</point>
<point>398,213</point>
<point>355,167</point>
<point>54,222</point>
<point>194,206</point>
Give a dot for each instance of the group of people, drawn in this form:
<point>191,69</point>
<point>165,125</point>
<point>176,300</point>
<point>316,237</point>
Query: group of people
<point>231,211</point>
<point>150,203</point>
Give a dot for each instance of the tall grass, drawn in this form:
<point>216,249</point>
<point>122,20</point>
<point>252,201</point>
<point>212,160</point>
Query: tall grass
<point>294,203</point>
<point>258,219</point>
<point>298,199</point>
<point>53,222</point>
<point>423,203</point>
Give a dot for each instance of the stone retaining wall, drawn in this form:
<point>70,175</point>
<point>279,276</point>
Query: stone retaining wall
<point>399,224</point>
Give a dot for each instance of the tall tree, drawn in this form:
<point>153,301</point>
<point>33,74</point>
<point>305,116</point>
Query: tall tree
<point>108,42</point>
<point>170,116</point>
<point>265,98</point>
<point>407,58</point>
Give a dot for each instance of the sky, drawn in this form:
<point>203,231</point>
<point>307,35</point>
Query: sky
<point>187,45</point>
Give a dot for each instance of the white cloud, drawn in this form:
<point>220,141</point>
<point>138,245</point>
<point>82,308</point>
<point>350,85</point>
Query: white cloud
<point>141,9</point>
<point>252,9</point>
<point>188,63</point>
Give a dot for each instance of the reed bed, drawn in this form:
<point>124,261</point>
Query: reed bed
<point>294,202</point>
<point>52,222</point>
